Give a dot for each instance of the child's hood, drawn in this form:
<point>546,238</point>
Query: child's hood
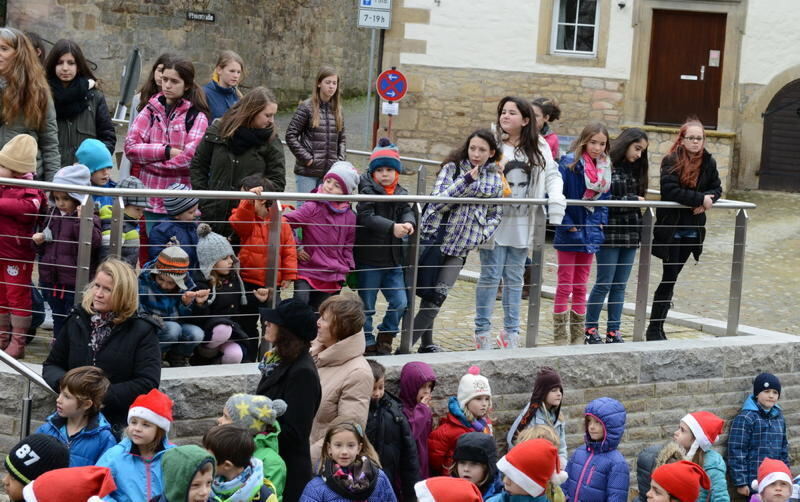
<point>611,413</point>
<point>268,439</point>
<point>179,466</point>
<point>478,447</point>
<point>751,404</point>
<point>412,377</point>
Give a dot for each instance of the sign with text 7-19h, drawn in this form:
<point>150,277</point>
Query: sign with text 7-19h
<point>371,18</point>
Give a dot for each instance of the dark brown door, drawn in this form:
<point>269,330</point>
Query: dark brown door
<point>780,147</point>
<point>685,74</point>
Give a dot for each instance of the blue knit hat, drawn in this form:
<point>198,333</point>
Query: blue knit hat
<point>93,154</point>
<point>385,154</point>
<point>766,381</point>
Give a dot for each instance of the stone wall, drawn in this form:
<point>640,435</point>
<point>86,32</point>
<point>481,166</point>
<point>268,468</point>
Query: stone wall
<point>283,42</point>
<point>657,382</point>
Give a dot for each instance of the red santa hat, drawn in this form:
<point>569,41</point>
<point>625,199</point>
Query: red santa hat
<point>706,428</point>
<point>447,489</point>
<point>72,484</point>
<point>770,471</point>
<point>155,407</point>
<point>532,464</point>
<point>682,480</point>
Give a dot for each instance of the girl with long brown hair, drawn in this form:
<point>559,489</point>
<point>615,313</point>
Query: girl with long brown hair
<point>688,176</point>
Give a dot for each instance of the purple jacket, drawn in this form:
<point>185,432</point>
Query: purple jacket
<point>412,377</point>
<point>328,235</point>
<point>59,256</point>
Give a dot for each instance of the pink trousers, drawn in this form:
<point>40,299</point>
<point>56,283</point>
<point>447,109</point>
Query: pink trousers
<point>573,275</point>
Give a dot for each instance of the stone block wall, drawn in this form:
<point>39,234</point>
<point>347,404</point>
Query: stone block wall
<point>657,382</point>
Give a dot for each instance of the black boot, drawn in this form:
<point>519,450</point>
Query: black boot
<point>658,315</point>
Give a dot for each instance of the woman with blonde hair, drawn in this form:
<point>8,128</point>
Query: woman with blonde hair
<point>222,92</point>
<point>106,331</point>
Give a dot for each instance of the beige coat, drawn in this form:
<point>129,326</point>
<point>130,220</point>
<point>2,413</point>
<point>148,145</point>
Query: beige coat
<point>346,381</point>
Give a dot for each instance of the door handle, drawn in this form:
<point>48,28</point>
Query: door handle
<point>703,72</point>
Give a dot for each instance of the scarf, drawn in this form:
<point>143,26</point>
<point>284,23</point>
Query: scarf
<point>269,363</point>
<point>596,176</point>
<point>242,488</point>
<point>389,189</point>
<point>245,138</point>
<point>357,481</point>
<point>71,100</point>
<point>101,328</point>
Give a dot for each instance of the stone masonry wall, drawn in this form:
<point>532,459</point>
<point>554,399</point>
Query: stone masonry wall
<point>283,42</point>
<point>657,382</point>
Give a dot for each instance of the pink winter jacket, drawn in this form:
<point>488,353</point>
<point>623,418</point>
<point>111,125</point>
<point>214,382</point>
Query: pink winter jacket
<point>148,137</point>
<point>19,210</point>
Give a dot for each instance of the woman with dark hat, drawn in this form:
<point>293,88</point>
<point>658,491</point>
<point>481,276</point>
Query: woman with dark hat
<point>288,373</point>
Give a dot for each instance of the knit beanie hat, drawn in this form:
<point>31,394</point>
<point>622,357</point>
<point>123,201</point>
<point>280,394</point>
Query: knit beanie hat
<point>447,489</point>
<point>766,381</point>
<point>770,471</point>
<point>253,412</point>
<point>73,484</point>
<point>173,262</point>
<point>93,154</point>
<point>547,379</point>
<point>19,154</point>
<point>155,407</point>
<point>134,183</point>
<point>472,385</point>
<point>682,480</point>
<point>532,464</point>
<point>76,174</point>
<point>178,205</point>
<point>385,154</point>
<point>345,174</point>
<point>706,427</point>
<point>35,455</point>
<point>211,248</point>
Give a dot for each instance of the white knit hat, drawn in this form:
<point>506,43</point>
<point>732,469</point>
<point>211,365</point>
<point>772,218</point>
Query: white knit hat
<point>346,175</point>
<point>472,385</point>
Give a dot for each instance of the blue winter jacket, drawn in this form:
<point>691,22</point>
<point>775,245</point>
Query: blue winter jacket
<point>495,487</point>
<point>219,98</point>
<point>589,236</point>
<point>185,232</point>
<point>104,200</point>
<point>505,497</point>
<point>597,471</point>
<point>154,301</point>
<point>755,435</point>
<point>317,491</point>
<point>137,480</point>
<point>86,446</point>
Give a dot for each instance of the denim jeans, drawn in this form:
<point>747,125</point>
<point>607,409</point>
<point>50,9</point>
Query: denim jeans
<point>509,263</point>
<point>188,335</point>
<point>305,184</point>
<point>390,282</point>
<point>613,269</point>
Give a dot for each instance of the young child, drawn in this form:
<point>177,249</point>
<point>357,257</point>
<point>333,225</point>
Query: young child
<point>165,292</point>
<point>695,435</point>
<point>475,459</point>
<point>597,470</point>
<point>417,380</point>
<point>93,154</point>
<point>678,482</point>
<point>188,472</point>
<point>78,422</point>
<point>58,244</point>
<point>350,468</point>
<point>586,172</point>
<point>529,468</point>
<point>180,228</point>
<point>72,484</point>
<point>259,416</point>
<point>19,209</point>
<point>29,459</point>
<point>544,408</point>
<point>774,483</point>
<point>389,432</point>
<point>134,211</point>
<point>553,491</point>
<point>546,111</point>
<point>135,462</point>
<point>329,232</point>
<point>240,475</point>
<point>757,432</point>
<point>447,489</point>
<point>467,412</point>
<point>379,250</point>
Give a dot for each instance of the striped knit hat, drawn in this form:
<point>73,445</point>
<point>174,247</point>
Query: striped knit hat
<point>385,154</point>
<point>173,262</point>
<point>178,205</point>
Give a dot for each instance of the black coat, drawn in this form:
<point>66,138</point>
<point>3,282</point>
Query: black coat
<point>323,145</point>
<point>390,434</point>
<point>669,219</point>
<point>130,358</point>
<point>297,383</point>
<point>376,244</point>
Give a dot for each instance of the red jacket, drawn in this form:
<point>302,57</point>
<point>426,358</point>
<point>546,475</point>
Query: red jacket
<point>442,441</point>
<point>19,209</point>
<point>254,234</point>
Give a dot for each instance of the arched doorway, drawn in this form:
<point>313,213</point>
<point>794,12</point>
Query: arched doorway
<point>780,147</point>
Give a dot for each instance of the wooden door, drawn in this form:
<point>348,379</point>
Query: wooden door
<point>685,74</point>
<point>780,147</point>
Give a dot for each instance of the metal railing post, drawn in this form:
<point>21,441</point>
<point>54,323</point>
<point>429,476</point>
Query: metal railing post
<point>537,273</point>
<point>86,212</point>
<point>643,277</point>
<point>117,218</point>
<point>407,334</point>
<point>274,250</point>
<point>737,272</point>
<point>421,182</point>
<point>27,403</point>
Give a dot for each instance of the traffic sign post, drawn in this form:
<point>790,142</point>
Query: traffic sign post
<point>391,86</point>
<point>375,15</point>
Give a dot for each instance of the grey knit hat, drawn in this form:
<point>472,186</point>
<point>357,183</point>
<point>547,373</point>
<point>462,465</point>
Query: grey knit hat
<point>76,174</point>
<point>253,412</point>
<point>211,248</point>
<point>345,174</point>
<point>178,205</point>
<point>134,183</point>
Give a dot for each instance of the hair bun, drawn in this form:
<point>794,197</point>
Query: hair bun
<point>474,370</point>
<point>384,142</point>
<point>203,229</point>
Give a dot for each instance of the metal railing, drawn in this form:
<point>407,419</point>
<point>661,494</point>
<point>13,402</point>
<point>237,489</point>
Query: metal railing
<point>27,403</point>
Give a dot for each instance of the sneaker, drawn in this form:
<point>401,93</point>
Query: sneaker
<point>482,341</point>
<point>47,324</point>
<point>614,337</point>
<point>591,337</point>
<point>430,349</point>
<point>502,339</point>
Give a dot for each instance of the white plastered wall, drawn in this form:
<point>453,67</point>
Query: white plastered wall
<point>771,41</point>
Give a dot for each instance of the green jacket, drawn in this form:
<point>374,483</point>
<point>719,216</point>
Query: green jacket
<point>178,467</point>
<point>267,452</point>
<point>215,167</point>
<point>48,161</point>
<point>93,122</point>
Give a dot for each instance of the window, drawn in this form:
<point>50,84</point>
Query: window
<point>575,27</point>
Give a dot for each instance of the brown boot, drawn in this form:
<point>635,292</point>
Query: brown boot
<point>560,323</point>
<point>5,331</point>
<point>19,330</point>
<point>384,344</point>
<point>577,327</point>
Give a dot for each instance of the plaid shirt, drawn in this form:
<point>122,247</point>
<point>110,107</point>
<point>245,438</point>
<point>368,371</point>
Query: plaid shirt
<point>624,224</point>
<point>148,137</point>
<point>469,225</point>
<point>755,435</point>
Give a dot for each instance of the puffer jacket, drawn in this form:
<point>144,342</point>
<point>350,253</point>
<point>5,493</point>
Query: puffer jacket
<point>93,122</point>
<point>48,161</point>
<point>376,244</point>
<point>59,256</point>
<point>318,491</point>
<point>420,417</point>
<point>185,233</point>
<point>589,236</point>
<point>597,470</point>
<point>442,441</point>
<point>19,212</point>
<point>755,435</point>
<point>656,455</point>
<point>88,445</point>
<point>323,145</point>
<point>137,479</point>
<point>267,452</point>
<point>215,167</point>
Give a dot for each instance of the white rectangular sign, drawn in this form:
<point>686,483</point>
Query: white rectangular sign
<point>370,18</point>
<point>688,77</point>
<point>388,108</point>
<point>375,4</point>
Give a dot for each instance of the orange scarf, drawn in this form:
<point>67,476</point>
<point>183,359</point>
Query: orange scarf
<point>389,188</point>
